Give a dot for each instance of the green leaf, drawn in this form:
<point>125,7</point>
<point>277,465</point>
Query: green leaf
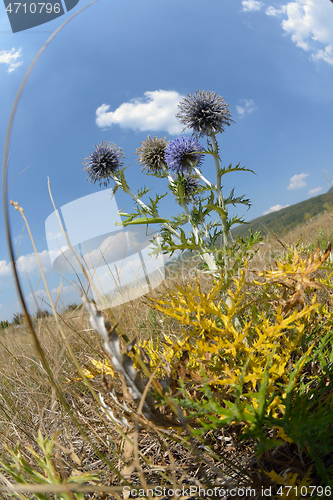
<point>121,178</point>
<point>143,191</point>
<point>140,220</point>
<point>240,200</point>
<point>211,152</point>
<point>221,211</point>
<point>237,168</point>
<point>179,220</point>
<point>82,478</point>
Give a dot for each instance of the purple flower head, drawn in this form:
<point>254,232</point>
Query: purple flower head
<point>191,184</point>
<point>183,153</point>
<point>103,162</point>
<point>204,112</point>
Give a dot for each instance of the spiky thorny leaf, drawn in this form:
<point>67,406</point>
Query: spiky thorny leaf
<point>130,221</point>
<point>120,179</point>
<point>210,234</point>
<point>154,203</point>
<point>140,211</point>
<point>201,209</point>
<point>160,175</point>
<point>237,168</point>
<point>143,191</point>
<point>235,220</point>
<point>115,189</point>
<point>214,335</point>
<point>241,251</point>
<point>169,246</point>
<point>179,220</point>
<point>240,200</point>
<point>186,188</point>
<point>245,246</point>
<point>215,208</point>
<point>211,152</point>
<point>296,276</point>
<point>144,210</point>
<point>252,239</point>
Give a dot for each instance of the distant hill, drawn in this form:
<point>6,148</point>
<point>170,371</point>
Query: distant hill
<point>288,218</point>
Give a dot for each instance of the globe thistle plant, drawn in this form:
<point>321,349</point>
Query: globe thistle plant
<point>102,163</point>
<point>179,161</point>
<point>191,185</point>
<point>185,187</point>
<point>151,155</point>
<point>182,154</point>
<point>205,113</point>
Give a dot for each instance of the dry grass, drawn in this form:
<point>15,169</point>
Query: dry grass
<point>29,403</point>
<point>319,228</point>
<point>308,233</point>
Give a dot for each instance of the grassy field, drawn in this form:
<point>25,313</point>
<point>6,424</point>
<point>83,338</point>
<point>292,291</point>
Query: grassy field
<point>284,221</point>
<point>76,425</point>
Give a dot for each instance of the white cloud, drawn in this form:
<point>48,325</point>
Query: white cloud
<point>249,5</point>
<point>67,295</point>
<point>275,209</point>
<point>297,182</point>
<point>315,191</point>
<point>37,297</point>
<point>326,54</point>
<point>10,57</point>
<point>26,264</point>
<point>246,108</point>
<point>155,112</point>
<point>309,22</point>
<point>272,11</point>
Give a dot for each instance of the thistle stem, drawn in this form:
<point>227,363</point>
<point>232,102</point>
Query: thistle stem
<point>206,181</point>
<point>127,190</point>
<point>206,256</point>
<point>194,226</point>
<point>221,203</point>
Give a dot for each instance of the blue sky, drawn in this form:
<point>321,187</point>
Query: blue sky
<point>116,73</point>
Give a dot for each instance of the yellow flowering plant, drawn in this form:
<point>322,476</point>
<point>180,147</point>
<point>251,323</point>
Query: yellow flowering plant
<point>255,372</point>
<point>222,349</point>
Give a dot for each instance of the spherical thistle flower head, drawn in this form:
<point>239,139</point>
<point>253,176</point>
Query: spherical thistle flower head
<point>191,184</point>
<point>183,153</point>
<point>151,155</point>
<point>104,161</point>
<point>204,112</point>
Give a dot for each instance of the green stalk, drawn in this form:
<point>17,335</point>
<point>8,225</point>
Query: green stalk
<point>220,198</point>
<point>205,255</point>
<point>127,190</point>
<point>221,204</point>
<point>206,181</point>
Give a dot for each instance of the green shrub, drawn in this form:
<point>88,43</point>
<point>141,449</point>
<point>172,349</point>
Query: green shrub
<point>18,318</point>
<point>43,314</point>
